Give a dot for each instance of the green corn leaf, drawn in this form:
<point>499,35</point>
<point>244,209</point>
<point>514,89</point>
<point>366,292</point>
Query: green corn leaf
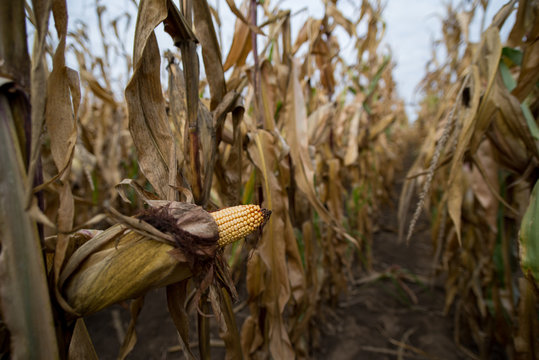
<point>529,237</point>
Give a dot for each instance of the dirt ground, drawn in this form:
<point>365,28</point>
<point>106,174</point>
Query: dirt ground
<point>396,316</point>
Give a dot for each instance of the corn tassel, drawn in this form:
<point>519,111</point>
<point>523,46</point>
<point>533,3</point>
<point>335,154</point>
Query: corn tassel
<point>239,221</point>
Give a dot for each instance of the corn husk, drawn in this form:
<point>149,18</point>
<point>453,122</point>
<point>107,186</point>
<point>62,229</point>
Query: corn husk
<point>123,262</point>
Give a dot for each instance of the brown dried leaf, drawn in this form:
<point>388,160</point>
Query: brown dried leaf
<point>81,346</point>
<point>176,296</point>
<point>211,52</point>
<point>455,195</point>
<point>482,191</point>
<point>513,119</point>
<point>468,122</point>
<point>529,70</point>
<point>139,190</point>
<point>241,18</point>
<point>308,33</point>
<point>131,336</point>
<point>524,19</point>
<point>61,111</point>
<point>148,121</point>
<point>339,18</point>
<point>241,46</point>
<point>352,148</point>
<point>38,86</point>
<point>228,329</point>
<point>97,89</point>
<point>487,59</point>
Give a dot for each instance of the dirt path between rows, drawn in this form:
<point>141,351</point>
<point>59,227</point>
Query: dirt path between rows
<point>395,313</point>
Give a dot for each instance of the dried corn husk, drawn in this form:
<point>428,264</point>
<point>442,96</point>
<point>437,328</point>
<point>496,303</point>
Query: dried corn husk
<point>112,274</point>
<point>175,241</point>
<point>122,263</point>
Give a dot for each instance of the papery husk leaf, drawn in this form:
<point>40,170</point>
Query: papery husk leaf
<point>120,263</point>
<point>116,273</point>
<point>190,218</point>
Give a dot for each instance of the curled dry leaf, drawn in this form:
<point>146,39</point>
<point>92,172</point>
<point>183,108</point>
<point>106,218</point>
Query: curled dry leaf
<point>148,121</point>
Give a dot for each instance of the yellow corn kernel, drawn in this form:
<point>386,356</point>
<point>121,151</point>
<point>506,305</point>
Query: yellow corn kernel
<point>239,221</point>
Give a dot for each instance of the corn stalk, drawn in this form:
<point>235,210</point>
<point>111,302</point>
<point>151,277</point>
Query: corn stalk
<point>25,299</point>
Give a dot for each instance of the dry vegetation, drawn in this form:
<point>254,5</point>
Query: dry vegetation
<point>478,168</point>
<point>294,127</point>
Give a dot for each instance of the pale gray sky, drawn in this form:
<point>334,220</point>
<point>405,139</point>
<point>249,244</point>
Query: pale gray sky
<point>412,25</point>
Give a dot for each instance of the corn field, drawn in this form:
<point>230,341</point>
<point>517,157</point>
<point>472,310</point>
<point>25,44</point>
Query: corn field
<point>250,184</point>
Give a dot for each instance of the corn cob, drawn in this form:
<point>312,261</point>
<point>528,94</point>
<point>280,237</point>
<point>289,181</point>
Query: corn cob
<point>239,221</point>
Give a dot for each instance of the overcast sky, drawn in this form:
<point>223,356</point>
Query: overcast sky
<point>411,28</point>
<point>412,25</point>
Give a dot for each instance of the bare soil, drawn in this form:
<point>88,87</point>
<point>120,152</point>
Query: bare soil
<point>395,313</point>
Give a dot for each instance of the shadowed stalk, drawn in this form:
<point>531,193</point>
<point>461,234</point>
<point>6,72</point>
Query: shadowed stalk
<point>191,73</point>
<point>25,300</point>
